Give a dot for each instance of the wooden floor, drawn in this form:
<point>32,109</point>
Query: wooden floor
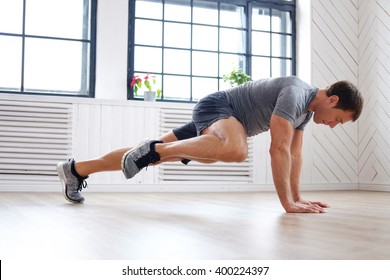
<point>204,226</point>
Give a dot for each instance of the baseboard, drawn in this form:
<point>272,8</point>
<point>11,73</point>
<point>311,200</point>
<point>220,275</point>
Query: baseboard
<point>374,187</point>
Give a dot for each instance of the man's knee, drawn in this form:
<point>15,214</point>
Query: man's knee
<point>233,143</point>
<point>237,153</point>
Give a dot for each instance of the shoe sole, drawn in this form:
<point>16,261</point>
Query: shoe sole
<point>61,174</point>
<point>127,153</point>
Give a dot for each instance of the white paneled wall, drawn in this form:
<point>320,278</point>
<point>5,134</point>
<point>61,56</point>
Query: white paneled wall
<point>351,40</point>
<point>335,42</point>
<point>374,79</point>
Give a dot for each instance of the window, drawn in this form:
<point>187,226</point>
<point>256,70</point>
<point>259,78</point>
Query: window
<point>190,44</point>
<point>47,47</point>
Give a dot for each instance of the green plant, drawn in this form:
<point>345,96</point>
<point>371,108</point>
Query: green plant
<point>236,77</point>
<point>149,81</point>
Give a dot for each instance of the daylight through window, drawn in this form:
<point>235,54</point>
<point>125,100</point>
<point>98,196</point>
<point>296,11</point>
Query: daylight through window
<point>190,44</point>
<point>47,46</point>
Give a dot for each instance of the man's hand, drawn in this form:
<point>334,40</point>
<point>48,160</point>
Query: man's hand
<point>323,205</point>
<point>303,206</point>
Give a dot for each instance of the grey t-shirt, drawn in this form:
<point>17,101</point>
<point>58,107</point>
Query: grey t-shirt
<point>254,103</point>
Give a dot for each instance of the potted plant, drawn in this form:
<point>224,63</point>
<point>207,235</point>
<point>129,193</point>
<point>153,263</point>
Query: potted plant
<point>236,77</point>
<point>149,81</point>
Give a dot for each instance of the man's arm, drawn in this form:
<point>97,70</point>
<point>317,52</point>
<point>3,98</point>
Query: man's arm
<point>296,163</point>
<point>282,135</point>
<point>296,169</point>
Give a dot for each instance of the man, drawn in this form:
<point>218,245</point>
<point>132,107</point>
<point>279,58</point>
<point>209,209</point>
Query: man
<point>219,128</point>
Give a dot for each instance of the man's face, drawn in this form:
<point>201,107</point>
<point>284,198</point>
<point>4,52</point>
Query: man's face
<point>326,113</point>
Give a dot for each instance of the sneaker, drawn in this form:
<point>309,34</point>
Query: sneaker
<point>71,185</point>
<point>139,157</point>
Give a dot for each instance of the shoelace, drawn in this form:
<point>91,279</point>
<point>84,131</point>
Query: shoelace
<point>145,160</point>
<point>82,184</point>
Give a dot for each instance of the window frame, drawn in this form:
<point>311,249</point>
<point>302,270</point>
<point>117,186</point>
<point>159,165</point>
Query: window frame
<point>89,63</point>
<point>282,5</point>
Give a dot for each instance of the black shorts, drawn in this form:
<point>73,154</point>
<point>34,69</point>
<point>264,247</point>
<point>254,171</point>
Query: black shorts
<point>207,111</point>
<point>186,131</point>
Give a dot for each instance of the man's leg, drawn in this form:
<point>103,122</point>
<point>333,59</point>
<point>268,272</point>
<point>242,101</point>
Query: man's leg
<point>112,160</point>
<point>224,140</point>
<point>73,174</point>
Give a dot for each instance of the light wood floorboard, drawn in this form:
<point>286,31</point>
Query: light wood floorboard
<point>204,226</point>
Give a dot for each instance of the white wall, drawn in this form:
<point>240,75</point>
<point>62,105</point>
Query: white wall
<point>349,40</point>
<point>334,52</point>
<point>303,42</point>
<point>374,80</point>
<point>111,49</point>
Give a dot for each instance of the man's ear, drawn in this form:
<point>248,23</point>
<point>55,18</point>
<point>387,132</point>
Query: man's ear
<point>333,99</point>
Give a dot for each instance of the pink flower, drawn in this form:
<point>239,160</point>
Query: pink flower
<point>135,80</point>
<point>148,81</point>
<point>132,81</point>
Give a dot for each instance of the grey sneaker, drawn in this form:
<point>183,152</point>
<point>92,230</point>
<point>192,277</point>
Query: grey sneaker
<point>71,185</point>
<point>139,157</point>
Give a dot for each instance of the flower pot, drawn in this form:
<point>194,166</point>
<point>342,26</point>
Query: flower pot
<point>149,95</point>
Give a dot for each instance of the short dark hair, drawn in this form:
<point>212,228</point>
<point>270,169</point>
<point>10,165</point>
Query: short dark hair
<point>350,98</point>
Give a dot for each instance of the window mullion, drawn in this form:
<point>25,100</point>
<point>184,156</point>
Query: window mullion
<point>23,47</point>
<point>219,41</point>
<point>131,72</point>
<point>191,46</point>
<point>84,64</point>
<point>162,49</point>
<point>248,52</point>
<point>270,42</point>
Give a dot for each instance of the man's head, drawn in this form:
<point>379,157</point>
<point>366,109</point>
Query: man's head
<point>350,98</point>
<point>339,103</point>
